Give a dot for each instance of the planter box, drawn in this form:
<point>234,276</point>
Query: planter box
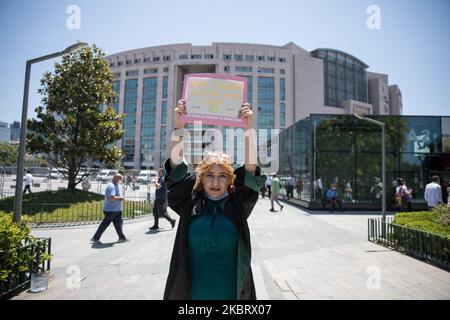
<point>19,281</point>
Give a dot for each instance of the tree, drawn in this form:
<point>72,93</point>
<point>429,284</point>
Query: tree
<point>8,154</point>
<point>71,126</point>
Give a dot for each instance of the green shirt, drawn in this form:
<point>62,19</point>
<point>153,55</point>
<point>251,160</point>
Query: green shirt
<point>213,243</point>
<point>276,185</point>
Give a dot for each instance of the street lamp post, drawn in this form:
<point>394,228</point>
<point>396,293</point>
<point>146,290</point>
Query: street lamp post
<point>23,125</point>
<point>383,165</point>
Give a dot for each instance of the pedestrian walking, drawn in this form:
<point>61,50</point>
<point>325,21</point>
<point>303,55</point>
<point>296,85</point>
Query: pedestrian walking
<point>318,188</point>
<point>348,192</point>
<point>276,189</point>
<point>299,187</point>
<point>290,187</point>
<point>112,210</point>
<point>211,257</point>
<point>160,206</point>
<point>433,193</point>
<point>403,196</point>
<point>263,191</point>
<point>376,190</point>
<point>28,182</point>
<point>269,185</point>
<point>86,184</point>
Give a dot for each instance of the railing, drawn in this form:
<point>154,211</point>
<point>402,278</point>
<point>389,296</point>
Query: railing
<point>62,213</point>
<point>419,244</point>
<point>29,261</point>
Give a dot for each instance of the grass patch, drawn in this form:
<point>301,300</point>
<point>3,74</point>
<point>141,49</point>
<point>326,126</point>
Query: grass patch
<point>60,196</point>
<point>435,221</point>
<point>69,206</point>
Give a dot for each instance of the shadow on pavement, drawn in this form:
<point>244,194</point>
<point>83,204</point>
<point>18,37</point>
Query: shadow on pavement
<point>102,245</point>
<point>157,231</point>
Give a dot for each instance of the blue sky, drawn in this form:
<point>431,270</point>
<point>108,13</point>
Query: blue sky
<point>412,46</point>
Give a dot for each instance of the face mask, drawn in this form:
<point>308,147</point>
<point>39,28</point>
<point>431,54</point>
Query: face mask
<point>223,196</point>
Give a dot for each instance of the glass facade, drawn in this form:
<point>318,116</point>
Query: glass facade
<point>347,151</point>
<point>148,119</point>
<point>165,87</point>
<point>129,123</point>
<point>162,146</point>
<point>344,77</point>
<point>249,88</point>
<point>266,102</point>
<point>282,103</point>
<point>116,89</point>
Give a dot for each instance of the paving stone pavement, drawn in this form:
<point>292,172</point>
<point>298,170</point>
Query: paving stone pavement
<point>296,255</point>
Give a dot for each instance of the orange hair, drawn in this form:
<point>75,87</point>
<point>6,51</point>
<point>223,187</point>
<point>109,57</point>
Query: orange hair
<point>211,159</point>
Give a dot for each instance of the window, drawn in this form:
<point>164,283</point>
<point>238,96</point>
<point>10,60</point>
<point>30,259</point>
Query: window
<point>120,63</point>
<point>137,60</point>
<point>282,59</point>
<point>244,69</point>
<point>129,62</point>
<point>238,57</point>
<point>227,56</point>
<point>166,58</point>
<point>282,114</point>
<point>249,58</point>
<point>266,70</point>
<point>226,68</point>
<point>156,59</point>
<point>183,56</point>
<point>129,124</point>
<point>166,69</point>
<point>266,102</point>
<point>147,60</point>
<point>271,59</point>
<point>164,113</point>
<point>196,56</point>
<point>260,58</point>
<point>112,65</point>
<point>116,89</point>
<point>249,88</point>
<point>165,85</point>
<point>117,74</point>
<point>282,89</point>
<point>282,71</point>
<point>209,56</point>
<point>150,70</point>
<point>132,73</point>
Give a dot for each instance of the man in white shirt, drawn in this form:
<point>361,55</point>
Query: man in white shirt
<point>28,182</point>
<point>433,193</point>
<point>269,185</point>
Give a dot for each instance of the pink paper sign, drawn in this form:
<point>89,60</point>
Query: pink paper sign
<point>214,99</point>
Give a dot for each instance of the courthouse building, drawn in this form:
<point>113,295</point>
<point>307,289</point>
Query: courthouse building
<point>285,84</point>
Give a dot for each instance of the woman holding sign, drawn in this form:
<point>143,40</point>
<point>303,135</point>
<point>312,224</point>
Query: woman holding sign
<point>212,251</point>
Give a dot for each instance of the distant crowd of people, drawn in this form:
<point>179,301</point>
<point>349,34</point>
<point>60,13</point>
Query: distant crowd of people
<point>436,192</point>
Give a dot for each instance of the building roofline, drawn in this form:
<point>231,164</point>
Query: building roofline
<point>283,47</point>
<point>346,53</point>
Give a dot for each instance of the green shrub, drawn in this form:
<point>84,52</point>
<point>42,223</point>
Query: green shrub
<point>435,221</point>
<point>12,237</point>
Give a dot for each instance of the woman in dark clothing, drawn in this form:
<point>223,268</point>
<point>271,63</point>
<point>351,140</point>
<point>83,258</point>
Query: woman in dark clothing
<point>212,251</point>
